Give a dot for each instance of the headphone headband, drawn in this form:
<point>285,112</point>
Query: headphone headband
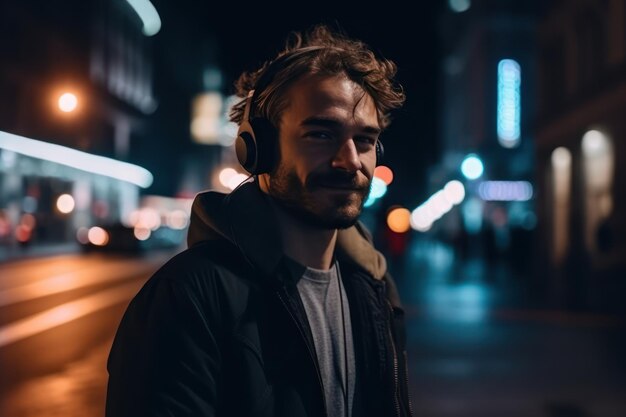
<point>246,110</point>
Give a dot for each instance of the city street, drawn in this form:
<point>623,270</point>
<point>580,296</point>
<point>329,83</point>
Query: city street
<point>475,346</point>
<point>57,319</point>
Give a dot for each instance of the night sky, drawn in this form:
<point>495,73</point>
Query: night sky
<point>237,36</point>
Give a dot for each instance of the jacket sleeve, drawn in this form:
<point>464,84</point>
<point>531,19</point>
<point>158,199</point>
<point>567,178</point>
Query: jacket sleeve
<point>165,359</point>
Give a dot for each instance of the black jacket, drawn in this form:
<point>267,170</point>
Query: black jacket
<point>220,329</point>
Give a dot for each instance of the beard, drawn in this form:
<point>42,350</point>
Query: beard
<point>313,204</point>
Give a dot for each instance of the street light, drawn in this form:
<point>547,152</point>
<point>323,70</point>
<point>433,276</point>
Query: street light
<point>67,102</point>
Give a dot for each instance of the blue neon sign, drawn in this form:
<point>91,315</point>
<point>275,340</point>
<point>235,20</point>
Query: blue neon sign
<point>509,103</point>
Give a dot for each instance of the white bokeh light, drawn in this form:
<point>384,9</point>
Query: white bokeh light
<point>68,102</point>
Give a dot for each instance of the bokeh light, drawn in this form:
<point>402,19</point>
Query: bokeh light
<point>230,178</point>
<point>472,167</point>
<point>378,188</point>
<point>65,203</point>
<point>459,6</point>
<point>82,235</point>
<point>142,233</point>
<point>421,219</point>
<point>98,236</point>
<point>399,220</point>
<point>177,220</point>
<point>594,142</point>
<point>384,173</point>
<point>23,233</point>
<point>68,102</point>
<point>561,157</point>
<point>145,217</point>
<point>454,191</point>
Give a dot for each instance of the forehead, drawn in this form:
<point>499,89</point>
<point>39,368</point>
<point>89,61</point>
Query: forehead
<point>334,97</point>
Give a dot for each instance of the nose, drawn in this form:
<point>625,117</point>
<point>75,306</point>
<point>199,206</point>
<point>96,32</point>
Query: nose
<point>347,157</point>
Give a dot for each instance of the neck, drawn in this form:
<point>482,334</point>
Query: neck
<point>310,246</point>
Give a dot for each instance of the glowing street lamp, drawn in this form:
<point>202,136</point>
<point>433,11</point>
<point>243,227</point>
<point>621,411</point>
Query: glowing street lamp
<point>67,102</point>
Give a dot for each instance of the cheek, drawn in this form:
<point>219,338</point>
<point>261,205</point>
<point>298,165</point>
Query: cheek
<point>293,158</point>
<point>290,169</point>
<point>369,164</point>
<point>299,165</point>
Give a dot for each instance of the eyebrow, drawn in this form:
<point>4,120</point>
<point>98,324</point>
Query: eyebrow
<point>332,123</point>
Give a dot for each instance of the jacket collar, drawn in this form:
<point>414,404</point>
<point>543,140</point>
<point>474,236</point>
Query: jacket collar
<point>245,218</point>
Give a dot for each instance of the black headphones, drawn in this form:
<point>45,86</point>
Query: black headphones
<point>257,138</point>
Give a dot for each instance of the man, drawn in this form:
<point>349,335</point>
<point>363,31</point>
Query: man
<point>281,306</point>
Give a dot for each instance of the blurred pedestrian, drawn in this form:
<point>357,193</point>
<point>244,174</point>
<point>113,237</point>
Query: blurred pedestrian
<point>280,306</point>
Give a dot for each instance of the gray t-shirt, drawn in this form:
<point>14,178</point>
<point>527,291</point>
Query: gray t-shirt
<point>319,291</point>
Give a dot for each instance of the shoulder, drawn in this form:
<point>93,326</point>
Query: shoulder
<point>204,286</point>
<point>203,275</point>
<point>205,261</point>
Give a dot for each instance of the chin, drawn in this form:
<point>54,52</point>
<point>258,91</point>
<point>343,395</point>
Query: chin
<point>330,218</point>
<point>339,218</point>
<point>347,218</point>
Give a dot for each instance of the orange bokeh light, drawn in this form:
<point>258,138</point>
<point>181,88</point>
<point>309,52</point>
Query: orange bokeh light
<point>399,220</point>
<point>384,173</point>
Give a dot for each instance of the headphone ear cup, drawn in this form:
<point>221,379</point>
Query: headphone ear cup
<point>256,146</point>
<point>266,139</point>
<point>380,152</point>
<point>246,147</point>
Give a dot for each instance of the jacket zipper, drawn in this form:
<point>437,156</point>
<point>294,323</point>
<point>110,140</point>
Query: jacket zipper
<point>395,363</point>
<point>406,380</point>
<point>311,353</point>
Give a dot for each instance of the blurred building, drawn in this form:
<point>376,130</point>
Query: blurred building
<point>76,74</point>
<point>487,112</point>
<point>96,51</point>
<point>581,154</point>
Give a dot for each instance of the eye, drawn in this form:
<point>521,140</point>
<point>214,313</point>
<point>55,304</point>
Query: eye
<point>365,140</point>
<point>319,135</point>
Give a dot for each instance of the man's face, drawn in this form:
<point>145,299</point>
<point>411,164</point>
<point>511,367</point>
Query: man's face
<point>328,135</point>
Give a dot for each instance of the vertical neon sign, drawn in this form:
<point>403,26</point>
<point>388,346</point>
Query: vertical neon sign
<point>509,103</point>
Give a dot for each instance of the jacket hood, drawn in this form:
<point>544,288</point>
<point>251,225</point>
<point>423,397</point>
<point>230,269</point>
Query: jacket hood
<point>246,219</point>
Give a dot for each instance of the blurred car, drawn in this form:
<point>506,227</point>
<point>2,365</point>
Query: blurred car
<point>121,238</point>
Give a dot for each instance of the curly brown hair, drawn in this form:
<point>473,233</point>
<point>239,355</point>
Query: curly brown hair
<point>319,51</point>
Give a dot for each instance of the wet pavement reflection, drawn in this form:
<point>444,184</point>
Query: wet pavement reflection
<point>76,391</point>
<point>479,345</point>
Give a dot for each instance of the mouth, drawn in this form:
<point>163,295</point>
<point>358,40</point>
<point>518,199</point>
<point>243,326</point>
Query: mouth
<point>345,188</point>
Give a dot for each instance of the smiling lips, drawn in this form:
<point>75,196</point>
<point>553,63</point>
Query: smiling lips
<point>346,187</point>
